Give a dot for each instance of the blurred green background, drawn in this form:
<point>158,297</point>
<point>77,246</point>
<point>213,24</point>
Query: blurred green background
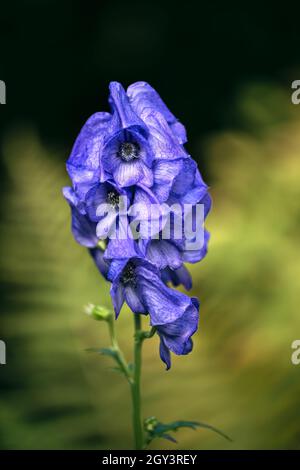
<point>226,71</point>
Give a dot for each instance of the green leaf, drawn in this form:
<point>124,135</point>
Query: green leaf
<point>96,350</point>
<point>212,428</point>
<point>168,438</point>
<point>104,352</point>
<point>156,429</point>
<point>174,426</point>
<point>109,352</point>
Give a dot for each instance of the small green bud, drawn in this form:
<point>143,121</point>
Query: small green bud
<point>98,312</point>
<point>150,423</point>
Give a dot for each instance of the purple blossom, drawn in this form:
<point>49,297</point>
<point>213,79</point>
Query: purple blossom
<point>175,316</point>
<point>135,153</point>
<point>122,145</point>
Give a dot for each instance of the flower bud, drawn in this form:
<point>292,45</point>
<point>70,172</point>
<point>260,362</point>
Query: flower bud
<point>150,423</point>
<point>98,312</point>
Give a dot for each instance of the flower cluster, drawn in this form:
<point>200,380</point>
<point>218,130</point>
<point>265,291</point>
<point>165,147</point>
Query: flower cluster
<point>136,153</point>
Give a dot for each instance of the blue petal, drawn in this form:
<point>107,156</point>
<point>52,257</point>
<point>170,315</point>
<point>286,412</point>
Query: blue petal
<point>164,175</point>
<point>207,202</point>
<point>177,277</point>
<point>128,173</point>
<point>83,165</point>
<point>165,354</point>
<point>185,179</point>
<point>83,229</point>
<point>83,179</point>
<point>117,295</point>
<point>69,195</point>
<point>124,116</point>
<point>194,195</point>
<point>146,212</point>
<point>133,301</point>
<point>120,249</point>
<point>106,224</point>
<point>147,179</point>
<point>161,139</point>
<point>121,243</point>
<point>176,336</point>
<point>178,129</point>
<point>194,256</point>
<point>163,253</point>
<point>142,96</point>
<point>85,152</point>
<point>144,196</point>
<point>164,305</point>
<point>116,268</point>
<point>96,195</point>
<point>109,156</point>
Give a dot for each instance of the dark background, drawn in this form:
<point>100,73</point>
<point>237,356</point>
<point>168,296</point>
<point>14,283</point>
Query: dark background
<point>197,54</point>
<point>225,70</point>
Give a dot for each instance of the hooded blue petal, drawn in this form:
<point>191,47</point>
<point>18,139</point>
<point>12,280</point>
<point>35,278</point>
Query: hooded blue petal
<point>84,165</point>
<point>161,139</point>
<point>176,336</point>
<point>142,96</point>
<point>165,172</point>
<point>124,117</point>
<point>83,229</point>
<point>164,304</point>
<point>85,150</point>
<point>162,253</point>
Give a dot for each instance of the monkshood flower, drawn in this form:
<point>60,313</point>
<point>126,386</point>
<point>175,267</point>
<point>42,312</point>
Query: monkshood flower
<point>123,145</point>
<point>138,204</point>
<point>140,284</point>
<point>89,226</point>
<point>175,316</point>
<point>126,149</point>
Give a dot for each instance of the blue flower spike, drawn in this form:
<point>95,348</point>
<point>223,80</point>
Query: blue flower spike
<point>138,204</point>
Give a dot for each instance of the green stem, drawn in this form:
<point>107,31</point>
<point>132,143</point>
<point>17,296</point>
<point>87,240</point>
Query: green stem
<point>135,385</point>
<point>119,355</point>
<point>133,375</point>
